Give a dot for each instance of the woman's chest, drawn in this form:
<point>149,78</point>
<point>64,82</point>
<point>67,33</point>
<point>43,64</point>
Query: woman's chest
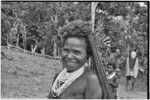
<point>76,89</point>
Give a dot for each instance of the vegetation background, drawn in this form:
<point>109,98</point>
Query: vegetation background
<point>34,27</point>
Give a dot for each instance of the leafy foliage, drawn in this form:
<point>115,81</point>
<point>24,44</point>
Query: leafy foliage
<point>124,22</point>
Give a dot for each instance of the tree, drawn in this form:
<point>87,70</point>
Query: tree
<point>99,68</point>
<point>116,20</point>
<point>125,23</point>
<point>11,19</point>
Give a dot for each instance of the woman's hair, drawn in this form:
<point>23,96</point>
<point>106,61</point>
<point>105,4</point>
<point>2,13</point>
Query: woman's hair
<point>77,29</point>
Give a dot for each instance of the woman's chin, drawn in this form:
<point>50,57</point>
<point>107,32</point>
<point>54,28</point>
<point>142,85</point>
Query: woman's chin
<point>70,65</point>
<point>70,68</point>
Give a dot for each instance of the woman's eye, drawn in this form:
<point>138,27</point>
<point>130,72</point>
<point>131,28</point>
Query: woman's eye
<point>65,50</point>
<point>77,52</point>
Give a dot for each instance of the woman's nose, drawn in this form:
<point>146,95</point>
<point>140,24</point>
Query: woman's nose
<point>69,55</point>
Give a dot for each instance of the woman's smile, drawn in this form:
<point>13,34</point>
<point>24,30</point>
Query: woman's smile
<point>70,62</point>
<point>74,53</point>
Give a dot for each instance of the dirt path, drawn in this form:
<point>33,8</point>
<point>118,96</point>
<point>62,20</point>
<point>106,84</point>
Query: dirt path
<point>140,89</point>
<point>122,94</point>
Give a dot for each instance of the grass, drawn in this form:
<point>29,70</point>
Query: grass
<point>30,76</point>
<point>27,76</point>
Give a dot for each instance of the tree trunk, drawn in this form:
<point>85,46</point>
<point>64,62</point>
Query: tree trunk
<point>17,44</point>
<point>25,42</point>
<point>33,50</point>
<point>8,46</point>
<point>54,47</point>
<point>8,41</point>
<point>25,39</point>
<point>43,51</point>
<point>98,66</point>
<point>59,52</point>
<point>24,46</point>
<point>93,8</point>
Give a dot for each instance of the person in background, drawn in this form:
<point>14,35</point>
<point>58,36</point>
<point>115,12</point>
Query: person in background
<point>132,68</point>
<point>76,80</point>
<point>114,60</point>
<point>112,79</point>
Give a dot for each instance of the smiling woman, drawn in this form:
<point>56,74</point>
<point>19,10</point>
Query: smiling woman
<point>74,54</point>
<point>76,80</point>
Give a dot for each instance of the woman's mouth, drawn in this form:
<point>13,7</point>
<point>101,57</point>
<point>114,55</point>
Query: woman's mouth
<point>70,62</point>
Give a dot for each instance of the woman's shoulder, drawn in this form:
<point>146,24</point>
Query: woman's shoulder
<point>90,74</point>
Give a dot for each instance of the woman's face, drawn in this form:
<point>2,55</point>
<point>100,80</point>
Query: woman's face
<point>74,53</point>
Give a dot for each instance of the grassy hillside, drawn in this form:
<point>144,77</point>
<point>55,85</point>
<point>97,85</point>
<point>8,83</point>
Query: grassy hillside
<point>30,76</point>
<point>26,76</point>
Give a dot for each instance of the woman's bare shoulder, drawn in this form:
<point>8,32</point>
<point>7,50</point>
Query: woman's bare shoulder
<point>90,74</point>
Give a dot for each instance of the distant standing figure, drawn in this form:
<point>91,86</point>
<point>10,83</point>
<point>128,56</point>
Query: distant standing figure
<point>132,68</point>
<point>113,79</point>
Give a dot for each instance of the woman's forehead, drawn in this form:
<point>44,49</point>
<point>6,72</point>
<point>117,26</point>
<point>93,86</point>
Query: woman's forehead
<point>79,42</point>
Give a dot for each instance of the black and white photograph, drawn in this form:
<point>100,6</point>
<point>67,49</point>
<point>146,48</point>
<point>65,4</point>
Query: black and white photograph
<point>74,49</point>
